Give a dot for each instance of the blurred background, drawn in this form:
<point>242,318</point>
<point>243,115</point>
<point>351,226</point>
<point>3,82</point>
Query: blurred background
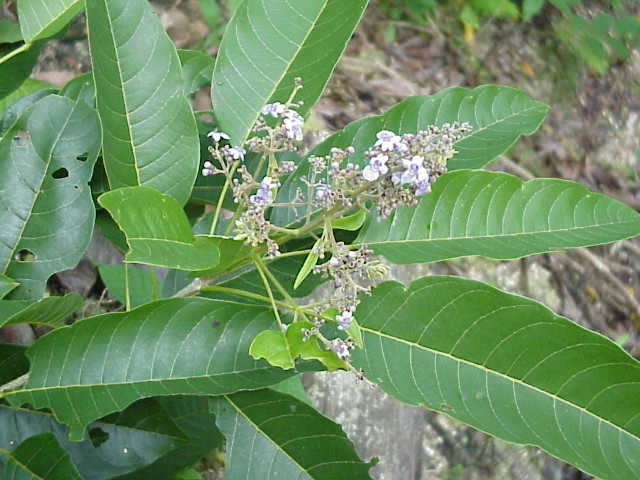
<point>579,56</point>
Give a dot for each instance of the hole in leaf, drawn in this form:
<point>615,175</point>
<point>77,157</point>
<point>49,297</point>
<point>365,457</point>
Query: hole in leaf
<point>82,158</point>
<point>76,187</point>
<point>97,436</point>
<point>60,173</point>
<point>25,255</point>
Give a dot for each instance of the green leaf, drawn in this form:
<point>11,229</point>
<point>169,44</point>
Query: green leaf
<point>149,132</point>
<point>18,107</point>
<point>301,39</point>
<point>6,285</point>
<point>13,363</point>
<point>293,386</point>
<point>191,415</point>
<point>531,8</point>
<point>112,447</point>
<point>272,345</point>
<point>158,231</point>
<point>9,31</point>
<point>44,18</point>
<point>498,115</point>
<point>351,222</point>
<point>50,311</point>
<point>309,349</point>
<point>16,66</point>
<point>498,216</point>
<point>46,158</point>
<point>81,89</point>
<point>271,435</point>
<point>28,86</point>
<point>507,366</point>
<point>141,283</point>
<point>197,69</point>
<point>307,266</point>
<point>170,347</point>
<point>39,458</point>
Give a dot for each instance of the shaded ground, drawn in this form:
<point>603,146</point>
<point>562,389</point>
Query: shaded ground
<point>591,136</point>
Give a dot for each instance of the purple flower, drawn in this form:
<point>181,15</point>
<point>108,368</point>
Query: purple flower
<point>208,169</point>
<point>274,109</point>
<point>263,196</point>
<point>340,348</point>
<point>216,136</point>
<point>377,166</point>
<point>423,187</point>
<point>292,123</point>
<point>235,153</point>
<point>415,171</point>
<point>344,319</point>
<point>322,191</point>
<point>387,140</point>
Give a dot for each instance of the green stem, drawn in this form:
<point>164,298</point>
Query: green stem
<point>13,53</point>
<point>223,194</point>
<point>243,293</point>
<point>260,267</point>
<point>127,294</point>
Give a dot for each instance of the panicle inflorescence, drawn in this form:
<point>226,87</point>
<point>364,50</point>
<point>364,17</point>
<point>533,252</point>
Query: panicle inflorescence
<point>394,171</point>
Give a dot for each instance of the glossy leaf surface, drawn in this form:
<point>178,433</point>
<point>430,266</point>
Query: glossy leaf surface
<point>50,311</point>
<point>44,18</point>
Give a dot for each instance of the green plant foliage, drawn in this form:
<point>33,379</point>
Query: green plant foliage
<point>298,39</point>
<point>160,233</point>
<point>498,117</point>
<point>197,69</point>
<point>28,86</point>
<point>508,366</point>
<point>39,458</point>
<point>149,135</point>
<point>266,438</point>
<point>105,363</point>
<point>6,285</point>
<point>191,415</point>
<point>134,439</point>
<point>121,281</point>
<point>44,18</point>
<point>13,362</point>
<point>16,64</point>
<point>46,158</point>
<point>50,311</point>
<point>498,216</point>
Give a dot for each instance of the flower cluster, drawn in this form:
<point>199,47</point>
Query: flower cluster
<point>349,271</point>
